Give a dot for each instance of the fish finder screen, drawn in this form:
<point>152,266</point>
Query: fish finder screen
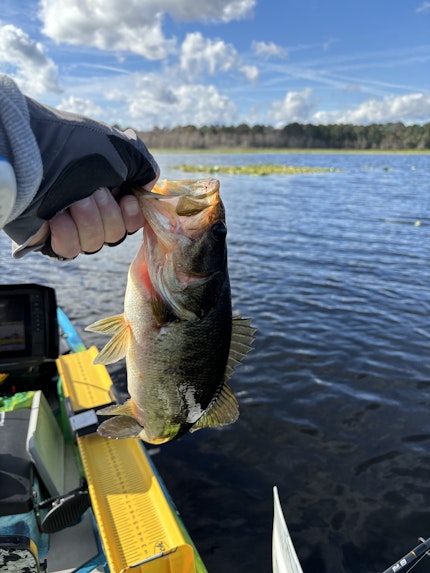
<point>13,315</point>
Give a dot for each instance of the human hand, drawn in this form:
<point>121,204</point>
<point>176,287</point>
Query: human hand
<point>79,157</point>
<point>89,224</point>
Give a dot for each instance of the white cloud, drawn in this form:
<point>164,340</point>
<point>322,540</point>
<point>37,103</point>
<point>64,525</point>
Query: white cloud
<point>135,25</point>
<point>408,108</point>
<point>114,25</point>
<point>150,101</point>
<point>268,49</point>
<point>81,106</point>
<point>200,56</point>
<point>202,10</point>
<point>301,107</point>
<point>295,107</point>
<point>26,60</point>
<point>250,72</point>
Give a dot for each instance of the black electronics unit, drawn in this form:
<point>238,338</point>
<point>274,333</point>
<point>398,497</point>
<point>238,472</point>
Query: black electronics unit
<point>28,326</point>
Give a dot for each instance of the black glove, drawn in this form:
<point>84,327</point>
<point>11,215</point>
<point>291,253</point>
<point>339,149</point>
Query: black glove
<point>79,155</point>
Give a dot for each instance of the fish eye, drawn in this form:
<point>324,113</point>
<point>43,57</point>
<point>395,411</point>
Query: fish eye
<point>219,231</point>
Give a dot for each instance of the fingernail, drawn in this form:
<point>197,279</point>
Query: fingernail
<point>131,206</point>
<point>84,203</point>
<point>102,195</point>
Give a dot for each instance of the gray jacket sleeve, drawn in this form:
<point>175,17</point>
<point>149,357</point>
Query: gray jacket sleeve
<point>18,145</point>
<point>60,158</point>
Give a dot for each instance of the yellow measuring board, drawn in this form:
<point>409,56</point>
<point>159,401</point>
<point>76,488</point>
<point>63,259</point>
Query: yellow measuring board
<point>135,521</point>
<point>85,384</point>
<point>137,526</point>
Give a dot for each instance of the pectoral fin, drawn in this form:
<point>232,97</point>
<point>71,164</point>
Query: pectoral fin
<point>118,345</point>
<point>224,410</point>
<point>119,427</point>
<point>110,325</point>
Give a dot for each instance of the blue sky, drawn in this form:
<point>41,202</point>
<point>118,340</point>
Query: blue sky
<point>146,63</point>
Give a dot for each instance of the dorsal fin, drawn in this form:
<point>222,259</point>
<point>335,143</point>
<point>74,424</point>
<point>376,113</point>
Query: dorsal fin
<point>242,337</point>
<point>224,409</point>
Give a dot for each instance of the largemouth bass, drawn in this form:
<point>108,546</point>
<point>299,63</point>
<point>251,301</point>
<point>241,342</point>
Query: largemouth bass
<point>177,332</point>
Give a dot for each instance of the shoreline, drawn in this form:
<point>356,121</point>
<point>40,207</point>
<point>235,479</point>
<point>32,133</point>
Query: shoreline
<point>286,151</point>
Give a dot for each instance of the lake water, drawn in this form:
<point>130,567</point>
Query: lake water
<point>334,268</point>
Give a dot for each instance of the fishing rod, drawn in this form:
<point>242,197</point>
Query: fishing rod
<point>418,552</point>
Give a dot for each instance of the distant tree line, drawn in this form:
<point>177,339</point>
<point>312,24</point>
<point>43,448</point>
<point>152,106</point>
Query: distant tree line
<point>292,136</point>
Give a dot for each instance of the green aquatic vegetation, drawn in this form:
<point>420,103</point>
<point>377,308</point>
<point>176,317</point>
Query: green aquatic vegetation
<point>258,169</point>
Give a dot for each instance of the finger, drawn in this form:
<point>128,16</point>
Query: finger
<point>41,236</point>
<point>88,221</point>
<point>64,236</point>
<point>151,184</point>
<point>111,215</point>
<point>131,212</point>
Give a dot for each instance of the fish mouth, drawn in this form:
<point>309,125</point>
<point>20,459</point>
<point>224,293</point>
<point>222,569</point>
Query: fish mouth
<point>185,207</point>
<point>198,189</point>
